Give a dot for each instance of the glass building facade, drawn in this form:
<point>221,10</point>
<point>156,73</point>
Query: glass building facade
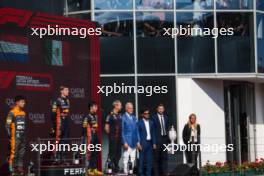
<point>134,48</point>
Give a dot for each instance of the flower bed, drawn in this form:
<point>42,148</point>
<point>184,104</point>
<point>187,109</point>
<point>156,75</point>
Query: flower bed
<point>233,169</point>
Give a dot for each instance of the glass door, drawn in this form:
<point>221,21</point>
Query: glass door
<point>239,111</point>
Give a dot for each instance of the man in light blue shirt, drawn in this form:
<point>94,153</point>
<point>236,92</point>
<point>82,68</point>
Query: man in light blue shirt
<point>130,137</point>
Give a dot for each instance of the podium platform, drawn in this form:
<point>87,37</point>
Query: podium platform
<point>63,170</point>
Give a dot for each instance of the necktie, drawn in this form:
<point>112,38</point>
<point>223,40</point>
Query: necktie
<point>162,126</point>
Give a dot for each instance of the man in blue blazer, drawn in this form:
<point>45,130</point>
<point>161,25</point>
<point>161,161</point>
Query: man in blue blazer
<point>130,137</point>
<point>161,126</point>
<point>147,140</point>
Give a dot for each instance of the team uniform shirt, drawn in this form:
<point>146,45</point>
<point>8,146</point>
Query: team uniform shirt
<point>15,126</point>
<point>115,124</point>
<point>60,114</point>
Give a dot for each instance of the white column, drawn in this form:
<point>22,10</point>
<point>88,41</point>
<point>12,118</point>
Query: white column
<point>259,123</point>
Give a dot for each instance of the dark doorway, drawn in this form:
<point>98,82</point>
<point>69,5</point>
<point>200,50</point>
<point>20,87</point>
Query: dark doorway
<point>239,110</point>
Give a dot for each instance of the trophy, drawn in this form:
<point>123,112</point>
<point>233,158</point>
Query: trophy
<point>172,136</point>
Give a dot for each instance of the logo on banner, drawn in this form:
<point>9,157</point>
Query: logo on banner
<point>31,81</point>
<point>77,92</point>
<point>10,102</point>
<point>77,118</point>
<point>37,118</point>
<point>26,81</point>
<point>74,171</point>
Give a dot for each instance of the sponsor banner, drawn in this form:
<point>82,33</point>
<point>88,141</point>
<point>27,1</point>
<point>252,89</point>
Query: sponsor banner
<point>77,118</point>
<point>26,81</point>
<point>37,118</point>
<point>64,171</point>
<point>77,92</point>
<point>10,102</point>
<point>39,70</point>
<point>32,81</point>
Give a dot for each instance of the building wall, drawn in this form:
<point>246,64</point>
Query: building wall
<point>205,98</point>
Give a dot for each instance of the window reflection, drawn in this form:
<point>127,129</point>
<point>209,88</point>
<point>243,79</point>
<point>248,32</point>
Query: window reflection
<point>260,4</point>
<point>154,4</point>
<point>234,4</point>
<point>260,41</point>
<point>77,5</point>
<point>194,4</point>
<point>196,52</point>
<point>238,21</point>
<point>155,53</point>
<point>116,44</point>
<point>117,55</point>
<point>195,20</point>
<point>83,16</point>
<point>151,24</point>
<point>115,24</point>
<point>112,4</point>
<point>236,53</point>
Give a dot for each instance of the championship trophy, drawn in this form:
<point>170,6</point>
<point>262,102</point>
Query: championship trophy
<point>172,136</point>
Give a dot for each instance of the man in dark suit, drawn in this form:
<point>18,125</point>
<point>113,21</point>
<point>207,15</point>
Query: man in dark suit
<point>161,126</point>
<point>147,142</point>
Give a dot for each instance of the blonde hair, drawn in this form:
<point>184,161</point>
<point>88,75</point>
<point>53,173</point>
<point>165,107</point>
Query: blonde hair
<point>189,121</point>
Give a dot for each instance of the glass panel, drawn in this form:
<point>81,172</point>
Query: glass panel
<point>236,52</point>
<point>83,16</point>
<point>152,24</point>
<point>154,4</point>
<point>77,5</point>
<point>168,99</point>
<point>195,4</point>
<point>260,41</point>
<point>234,4</point>
<point>155,51</point>
<point>155,55</point>
<point>117,52</point>
<point>260,4</point>
<point>113,4</point>
<point>115,23</point>
<point>195,50</point>
<point>117,55</point>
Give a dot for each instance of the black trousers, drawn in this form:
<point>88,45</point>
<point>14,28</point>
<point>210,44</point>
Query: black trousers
<point>192,154</point>
<point>17,154</point>
<point>160,158</point>
<point>115,148</point>
<point>94,154</point>
<point>62,155</point>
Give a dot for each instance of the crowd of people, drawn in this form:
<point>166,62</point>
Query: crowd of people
<point>146,135</point>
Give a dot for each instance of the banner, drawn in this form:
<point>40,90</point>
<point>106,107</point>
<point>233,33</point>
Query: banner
<point>36,68</point>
